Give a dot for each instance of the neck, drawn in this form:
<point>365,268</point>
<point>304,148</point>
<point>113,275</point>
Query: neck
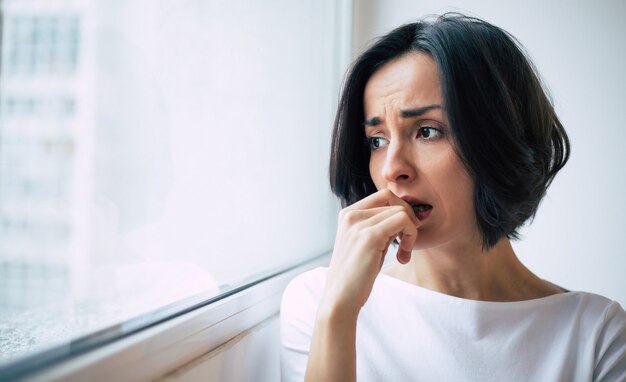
<point>473,273</point>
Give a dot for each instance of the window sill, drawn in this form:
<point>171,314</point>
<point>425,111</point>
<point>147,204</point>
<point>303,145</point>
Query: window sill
<point>160,349</point>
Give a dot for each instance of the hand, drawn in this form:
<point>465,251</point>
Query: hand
<point>365,231</point>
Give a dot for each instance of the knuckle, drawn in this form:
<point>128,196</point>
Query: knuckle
<point>342,215</point>
<point>343,212</point>
<point>350,217</point>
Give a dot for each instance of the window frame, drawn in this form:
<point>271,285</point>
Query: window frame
<point>164,347</point>
<point>150,351</point>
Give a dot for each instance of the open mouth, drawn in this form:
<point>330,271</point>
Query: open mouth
<point>421,207</point>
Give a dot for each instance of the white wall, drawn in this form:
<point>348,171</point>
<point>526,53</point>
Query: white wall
<point>578,237</point>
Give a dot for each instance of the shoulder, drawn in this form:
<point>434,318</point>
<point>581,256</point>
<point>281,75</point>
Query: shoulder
<point>300,300</point>
<point>306,288</point>
<point>602,325</point>
<point>297,319</point>
<point>592,311</point>
<point>610,336</point>
<point>599,308</point>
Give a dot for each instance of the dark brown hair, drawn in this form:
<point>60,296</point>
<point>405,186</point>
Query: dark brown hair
<point>503,123</point>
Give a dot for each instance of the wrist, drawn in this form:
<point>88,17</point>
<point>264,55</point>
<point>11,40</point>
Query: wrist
<point>338,314</point>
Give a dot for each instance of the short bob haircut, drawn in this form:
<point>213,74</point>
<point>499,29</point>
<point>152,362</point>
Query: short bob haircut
<point>503,124</point>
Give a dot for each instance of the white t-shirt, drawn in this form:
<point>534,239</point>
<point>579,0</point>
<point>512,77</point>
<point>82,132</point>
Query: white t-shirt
<point>409,333</point>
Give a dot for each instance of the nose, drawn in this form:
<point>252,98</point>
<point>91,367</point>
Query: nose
<point>399,166</point>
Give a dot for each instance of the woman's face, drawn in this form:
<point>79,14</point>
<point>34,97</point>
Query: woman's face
<point>413,153</point>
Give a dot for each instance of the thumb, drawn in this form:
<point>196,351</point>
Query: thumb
<point>405,248</point>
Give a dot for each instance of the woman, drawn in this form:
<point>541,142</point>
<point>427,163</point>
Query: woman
<point>445,141</point>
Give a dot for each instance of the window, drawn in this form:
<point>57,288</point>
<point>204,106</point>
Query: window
<point>157,155</point>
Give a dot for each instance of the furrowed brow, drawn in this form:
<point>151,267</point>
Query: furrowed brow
<point>406,113</point>
<point>409,113</point>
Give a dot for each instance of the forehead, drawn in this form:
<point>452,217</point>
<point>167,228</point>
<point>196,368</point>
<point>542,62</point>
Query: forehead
<point>411,80</point>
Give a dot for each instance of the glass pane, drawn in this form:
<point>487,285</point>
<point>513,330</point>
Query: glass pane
<point>156,153</point>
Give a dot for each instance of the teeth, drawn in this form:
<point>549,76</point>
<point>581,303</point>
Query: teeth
<point>422,207</point>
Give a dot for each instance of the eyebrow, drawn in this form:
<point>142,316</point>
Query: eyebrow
<point>407,113</point>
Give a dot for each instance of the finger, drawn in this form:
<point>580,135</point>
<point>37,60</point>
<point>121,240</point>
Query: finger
<point>405,248</point>
<point>393,226</point>
<point>384,213</point>
<point>406,245</point>
<point>384,197</point>
<point>363,216</point>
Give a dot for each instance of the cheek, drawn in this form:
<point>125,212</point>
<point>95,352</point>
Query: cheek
<point>459,189</point>
<point>376,168</point>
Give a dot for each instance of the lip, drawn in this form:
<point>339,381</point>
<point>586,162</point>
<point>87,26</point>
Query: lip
<point>420,215</point>
<point>411,200</point>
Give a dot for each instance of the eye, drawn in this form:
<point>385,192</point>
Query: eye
<point>377,142</point>
<point>429,133</point>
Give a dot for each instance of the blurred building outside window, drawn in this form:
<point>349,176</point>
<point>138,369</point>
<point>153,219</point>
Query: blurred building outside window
<point>150,153</point>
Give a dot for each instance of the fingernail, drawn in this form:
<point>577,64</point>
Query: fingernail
<point>403,257</point>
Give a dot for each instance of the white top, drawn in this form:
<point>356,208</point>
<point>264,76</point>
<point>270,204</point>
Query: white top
<point>409,333</point>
